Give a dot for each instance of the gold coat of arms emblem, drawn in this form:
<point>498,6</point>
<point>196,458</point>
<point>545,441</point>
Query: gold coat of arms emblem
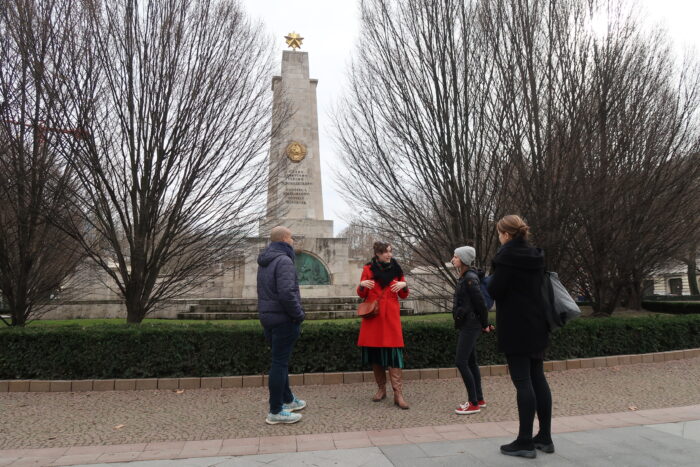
<point>296,151</point>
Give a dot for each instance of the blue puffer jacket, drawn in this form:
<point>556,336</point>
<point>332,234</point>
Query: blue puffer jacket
<point>279,300</point>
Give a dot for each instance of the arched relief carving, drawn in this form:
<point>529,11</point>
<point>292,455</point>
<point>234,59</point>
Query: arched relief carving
<point>311,270</point>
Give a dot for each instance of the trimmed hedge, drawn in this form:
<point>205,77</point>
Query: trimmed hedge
<point>166,350</point>
<point>676,308</point>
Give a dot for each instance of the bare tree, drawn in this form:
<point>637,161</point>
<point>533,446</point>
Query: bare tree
<point>668,232</point>
<point>600,121</point>
<point>541,56</point>
<point>361,236</point>
<point>36,186</point>
<point>419,129</point>
<point>639,167</point>
<point>174,100</point>
<point>688,229</point>
<point>499,106</point>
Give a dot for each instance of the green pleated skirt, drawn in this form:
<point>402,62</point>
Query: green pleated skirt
<point>384,356</point>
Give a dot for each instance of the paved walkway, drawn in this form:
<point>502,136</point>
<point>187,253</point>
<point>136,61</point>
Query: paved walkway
<point>84,428</point>
<point>671,444</point>
<point>620,439</point>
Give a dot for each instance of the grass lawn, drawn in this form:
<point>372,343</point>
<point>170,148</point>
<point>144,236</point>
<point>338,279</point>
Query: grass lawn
<point>223,322</point>
<point>587,312</point>
<point>437,317</point>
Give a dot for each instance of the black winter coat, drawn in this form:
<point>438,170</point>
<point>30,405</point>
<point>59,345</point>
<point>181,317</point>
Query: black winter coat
<point>279,299</point>
<point>468,306</point>
<point>516,285</point>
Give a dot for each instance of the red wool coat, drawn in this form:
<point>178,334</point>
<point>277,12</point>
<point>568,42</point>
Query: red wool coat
<point>384,330</point>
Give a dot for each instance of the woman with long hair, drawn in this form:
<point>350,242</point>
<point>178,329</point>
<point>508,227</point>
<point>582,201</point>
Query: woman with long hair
<point>381,337</point>
<point>522,332</point>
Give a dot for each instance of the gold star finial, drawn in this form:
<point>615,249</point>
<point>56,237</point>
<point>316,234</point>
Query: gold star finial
<point>294,40</point>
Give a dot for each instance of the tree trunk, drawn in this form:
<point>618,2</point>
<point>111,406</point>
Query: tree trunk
<point>691,262</point>
<point>605,298</point>
<point>693,277</point>
<point>134,316</point>
<point>603,310</point>
<point>634,295</point>
<point>135,307</point>
<point>18,312</point>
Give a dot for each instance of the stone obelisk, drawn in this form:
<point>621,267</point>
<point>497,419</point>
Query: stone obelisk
<point>294,192</point>
<point>294,187</point>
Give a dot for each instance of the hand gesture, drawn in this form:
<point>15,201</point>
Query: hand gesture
<point>489,328</point>
<point>398,286</point>
<point>367,284</point>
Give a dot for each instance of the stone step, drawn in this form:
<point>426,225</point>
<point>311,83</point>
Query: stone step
<point>253,301</point>
<point>253,308</point>
<point>216,315</point>
<point>310,315</point>
<point>224,315</point>
<point>224,308</point>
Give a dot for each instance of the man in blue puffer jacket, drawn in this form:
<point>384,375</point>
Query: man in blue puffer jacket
<point>279,306</point>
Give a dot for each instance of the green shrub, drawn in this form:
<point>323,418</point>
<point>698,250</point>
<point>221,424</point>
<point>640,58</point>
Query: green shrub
<point>673,307</point>
<point>176,350</point>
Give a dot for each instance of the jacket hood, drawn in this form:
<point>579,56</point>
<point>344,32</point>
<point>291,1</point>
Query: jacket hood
<point>274,250</point>
<point>518,253</point>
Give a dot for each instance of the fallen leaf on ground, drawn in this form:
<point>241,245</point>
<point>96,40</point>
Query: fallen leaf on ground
<point>119,427</point>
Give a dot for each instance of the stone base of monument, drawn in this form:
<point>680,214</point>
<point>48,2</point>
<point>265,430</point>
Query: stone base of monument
<point>243,308</point>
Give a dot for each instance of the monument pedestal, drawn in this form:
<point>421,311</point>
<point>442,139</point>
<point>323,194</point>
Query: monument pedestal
<point>311,228</point>
<point>323,265</point>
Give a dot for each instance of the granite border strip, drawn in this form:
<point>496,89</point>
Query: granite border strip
<point>333,441</point>
<point>349,377</point>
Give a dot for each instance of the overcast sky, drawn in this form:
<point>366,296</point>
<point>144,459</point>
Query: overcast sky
<point>330,29</point>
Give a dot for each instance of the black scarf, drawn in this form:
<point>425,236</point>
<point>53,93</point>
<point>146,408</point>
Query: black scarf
<point>384,273</point>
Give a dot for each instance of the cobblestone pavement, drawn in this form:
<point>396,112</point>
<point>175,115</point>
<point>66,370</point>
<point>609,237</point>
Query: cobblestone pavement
<point>42,420</point>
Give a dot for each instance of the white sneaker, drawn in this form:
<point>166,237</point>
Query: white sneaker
<point>296,404</point>
<point>283,417</point>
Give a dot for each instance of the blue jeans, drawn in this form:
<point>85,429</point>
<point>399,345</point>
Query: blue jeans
<point>282,338</point>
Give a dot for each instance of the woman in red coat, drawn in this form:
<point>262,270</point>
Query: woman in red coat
<point>381,338</point>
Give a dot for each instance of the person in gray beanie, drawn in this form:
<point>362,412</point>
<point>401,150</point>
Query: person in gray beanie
<point>466,254</point>
<point>470,315</point>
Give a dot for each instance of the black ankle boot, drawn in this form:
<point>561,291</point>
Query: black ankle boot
<point>520,448</point>
<point>543,443</point>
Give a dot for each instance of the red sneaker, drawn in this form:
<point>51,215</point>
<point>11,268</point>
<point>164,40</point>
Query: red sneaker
<point>482,404</point>
<point>467,408</point>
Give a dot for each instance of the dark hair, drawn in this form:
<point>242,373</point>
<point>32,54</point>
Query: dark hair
<point>380,247</point>
<point>513,225</point>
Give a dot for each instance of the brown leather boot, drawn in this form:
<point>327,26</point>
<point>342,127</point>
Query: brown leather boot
<point>380,378</point>
<point>397,386</point>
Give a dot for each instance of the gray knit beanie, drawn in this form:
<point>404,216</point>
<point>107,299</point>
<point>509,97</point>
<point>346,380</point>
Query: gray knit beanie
<point>466,254</point>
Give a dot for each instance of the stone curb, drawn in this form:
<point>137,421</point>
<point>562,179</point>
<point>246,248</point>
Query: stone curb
<point>249,381</point>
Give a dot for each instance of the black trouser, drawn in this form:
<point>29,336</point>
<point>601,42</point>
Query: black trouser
<point>533,394</point>
<point>465,359</point>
